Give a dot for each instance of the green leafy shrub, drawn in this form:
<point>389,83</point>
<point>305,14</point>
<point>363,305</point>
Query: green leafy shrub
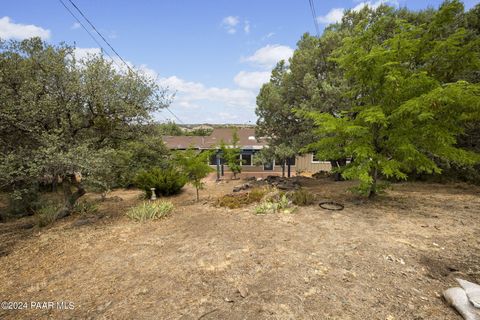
<point>238,200</point>
<point>150,210</point>
<point>283,205</point>
<point>24,201</point>
<point>302,197</point>
<point>165,181</point>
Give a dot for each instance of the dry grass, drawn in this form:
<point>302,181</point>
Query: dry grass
<point>239,200</point>
<point>385,259</point>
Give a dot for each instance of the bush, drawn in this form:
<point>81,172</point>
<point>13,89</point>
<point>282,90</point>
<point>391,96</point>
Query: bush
<point>165,181</point>
<point>238,200</point>
<point>24,201</point>
<point>302,197</point>
<point>150,210</point>
<point>283,205</point>
<point>47,214</point>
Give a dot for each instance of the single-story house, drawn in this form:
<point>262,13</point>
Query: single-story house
<point>249,145</point>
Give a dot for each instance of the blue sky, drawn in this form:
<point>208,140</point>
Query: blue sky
<point>213,54</point>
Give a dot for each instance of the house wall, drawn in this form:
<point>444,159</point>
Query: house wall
<point>305,163</point>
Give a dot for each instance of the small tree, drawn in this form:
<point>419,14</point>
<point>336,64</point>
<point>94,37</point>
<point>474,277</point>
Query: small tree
<point>195,166</point>
<point>283,153</point>
<point>231,154</point>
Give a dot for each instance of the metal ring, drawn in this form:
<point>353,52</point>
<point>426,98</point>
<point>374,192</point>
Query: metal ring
<point>338,206</point>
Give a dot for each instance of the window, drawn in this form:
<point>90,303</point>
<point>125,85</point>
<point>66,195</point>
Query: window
<point>246,159</point>
<point>268,166</point>
<point>315,159</point>
<point>213,159</point>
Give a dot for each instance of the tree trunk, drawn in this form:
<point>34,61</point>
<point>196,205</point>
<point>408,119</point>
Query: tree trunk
<point>337,164</point>
<point>373,188</point>
<point>69,197</point>
<point>334,165</point>
<point>289,169</point>
<point>54,183</point>
<point>198,197</point>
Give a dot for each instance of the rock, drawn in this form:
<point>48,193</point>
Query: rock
<point>457,298</point>
<point>243,291</point>
<point>241,187</point>
<point>227,299</point>
<point>82,222</point>
<point>472,290</point>
<point>27,225</point>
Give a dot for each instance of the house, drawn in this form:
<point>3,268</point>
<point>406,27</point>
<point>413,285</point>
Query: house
<point>249,145</point>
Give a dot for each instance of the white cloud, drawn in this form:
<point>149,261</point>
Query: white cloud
<point>269,35</point>
<point>82,53</point>
<point>251,80</point>
<point>227,117</point>
<point>193,92</point>
<point>230,24</point>
<point>335,15</point>
<point>374,5</point>
<point>246,27</point>
<point>75,26</point>
<point>11,30</point>
<point>196,102</point>
<point>269,55</point>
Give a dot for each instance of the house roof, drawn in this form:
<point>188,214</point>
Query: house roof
<point>247,139</point>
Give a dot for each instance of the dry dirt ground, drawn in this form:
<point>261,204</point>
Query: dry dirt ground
<point>384,259</point>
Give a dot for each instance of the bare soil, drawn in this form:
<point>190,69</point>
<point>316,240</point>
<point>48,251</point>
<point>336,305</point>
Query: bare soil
<point>390,258</point>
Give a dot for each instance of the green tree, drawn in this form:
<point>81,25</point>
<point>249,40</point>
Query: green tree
<point>410,103</point>
<point>194,166</point>
<point>283,153</point>
<point>169,129</point>
<point>59,116</point>
<point>231,154</point>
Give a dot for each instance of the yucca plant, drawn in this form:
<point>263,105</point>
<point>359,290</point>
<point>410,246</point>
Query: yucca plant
<point>150,210</point>
<point>283,205</point>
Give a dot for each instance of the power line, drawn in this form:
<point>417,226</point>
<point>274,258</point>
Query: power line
<point>113,49</point>
<point>101,36</point>
<point>314,15</point>
<point>168,109</point>
<point>105,40</point>
<point>89,33</point>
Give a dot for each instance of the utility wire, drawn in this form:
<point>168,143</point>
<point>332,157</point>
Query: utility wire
<point>108,44</point>
<point>314,15</point>
<point>101,36</point>
<point>89,33</point>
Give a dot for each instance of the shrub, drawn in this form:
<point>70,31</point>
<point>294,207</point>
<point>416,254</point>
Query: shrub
<point>24,201</point>
<point>150,210</point>
<point>302,197</point>
<point>283,205</point>
<point>47,214</point>
<point>165,181</point>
